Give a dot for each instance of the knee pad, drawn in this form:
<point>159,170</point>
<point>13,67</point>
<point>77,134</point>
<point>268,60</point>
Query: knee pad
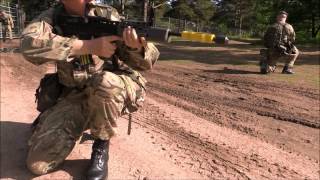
<point>48,151</point>
<point>38,167</point>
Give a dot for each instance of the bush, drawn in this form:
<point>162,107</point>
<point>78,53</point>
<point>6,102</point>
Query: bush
<point>304,38</point>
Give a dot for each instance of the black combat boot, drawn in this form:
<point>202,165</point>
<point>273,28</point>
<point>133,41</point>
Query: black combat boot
<point>263,71</point>
<point>287,70</point>
<point>98,168</point>
<point>263,67</point>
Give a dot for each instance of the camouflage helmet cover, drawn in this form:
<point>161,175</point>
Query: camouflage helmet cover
<point>283,12</point>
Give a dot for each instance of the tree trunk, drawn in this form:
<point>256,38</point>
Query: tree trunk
<point>240,24</point>
<point>145,12</point>
<point>240,18</point>
<point>315,29</point>
<point>313,25</point>
<point>122,6</point>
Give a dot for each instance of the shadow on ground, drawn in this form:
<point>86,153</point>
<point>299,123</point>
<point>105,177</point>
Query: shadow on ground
<point>75,168</point>
<point>233,54</point>
<point>231,71</point>
<point>14,137</point>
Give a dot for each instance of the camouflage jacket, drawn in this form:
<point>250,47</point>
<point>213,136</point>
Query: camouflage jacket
<point>279,34</point>
<point>40,45</point>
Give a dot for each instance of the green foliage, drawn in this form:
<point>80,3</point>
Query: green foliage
<point>258,14</point>
<point>35,7</point>
<point>204,9</point>
<point>181,9</point>
<point>244,18</point>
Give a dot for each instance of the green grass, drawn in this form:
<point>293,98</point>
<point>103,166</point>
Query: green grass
<point>305,74</point>
<point>241,59</point>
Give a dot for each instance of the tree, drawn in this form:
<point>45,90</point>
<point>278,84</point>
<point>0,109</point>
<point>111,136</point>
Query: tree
<point>181,9</point>
<point>235,14</point>
<point>204,9</point>
<point>35,7</point>
<point>255,15</point>
<point>305,15</point>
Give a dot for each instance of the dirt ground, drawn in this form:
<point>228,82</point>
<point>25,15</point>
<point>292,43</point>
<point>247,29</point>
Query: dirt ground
<point>209,115</point>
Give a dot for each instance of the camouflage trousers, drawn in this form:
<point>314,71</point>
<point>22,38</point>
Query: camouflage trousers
<point>6,29</point>
<point>96,107</point>
<point>289,59</point>
<point>270,57</point>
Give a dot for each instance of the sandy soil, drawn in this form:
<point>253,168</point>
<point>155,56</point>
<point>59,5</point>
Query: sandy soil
<point>202,120</point>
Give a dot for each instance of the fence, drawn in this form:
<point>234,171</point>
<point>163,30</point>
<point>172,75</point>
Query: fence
<point>17,17</point>
<point>176,25</point>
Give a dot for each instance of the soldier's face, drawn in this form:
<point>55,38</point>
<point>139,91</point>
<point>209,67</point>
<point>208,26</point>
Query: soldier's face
<point>75,2</point>
<point>75,6</point>
<point>281,17</point>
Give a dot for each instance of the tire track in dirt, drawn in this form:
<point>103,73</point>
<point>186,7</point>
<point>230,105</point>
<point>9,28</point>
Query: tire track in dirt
<point>250,100</point>
<point>208,123</point>
<point>191,150</point>
<point>252,109</point>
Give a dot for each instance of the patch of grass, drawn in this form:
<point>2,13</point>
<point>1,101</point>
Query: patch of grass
<point>243,60</point>
<point>251,40</point>
<point>306,75</point>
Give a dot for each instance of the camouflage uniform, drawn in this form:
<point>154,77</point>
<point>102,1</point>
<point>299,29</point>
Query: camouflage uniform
<point>92,101</point>
<point>7,25</point>
<point>279,40</point>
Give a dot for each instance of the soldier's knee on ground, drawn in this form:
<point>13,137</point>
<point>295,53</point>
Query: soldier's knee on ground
<point>55,138</point>
<point>43,157</point>
<point>48,152</point>
<point>38,167</point>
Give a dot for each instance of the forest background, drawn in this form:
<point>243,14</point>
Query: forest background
<point>236,18</point>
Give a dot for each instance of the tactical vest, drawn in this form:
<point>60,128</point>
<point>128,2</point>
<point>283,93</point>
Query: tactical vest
<point>83,66</point>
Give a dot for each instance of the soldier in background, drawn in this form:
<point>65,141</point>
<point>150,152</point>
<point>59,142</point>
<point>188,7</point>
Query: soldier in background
<point>7,25</point>
<point>279,39</point>
<point>87,92</point>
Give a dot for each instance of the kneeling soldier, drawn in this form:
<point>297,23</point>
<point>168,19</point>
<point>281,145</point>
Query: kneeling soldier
<point>279,40</point>
<point>91,93</point>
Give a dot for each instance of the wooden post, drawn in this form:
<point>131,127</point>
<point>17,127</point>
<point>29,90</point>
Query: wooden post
<point>122,7</point>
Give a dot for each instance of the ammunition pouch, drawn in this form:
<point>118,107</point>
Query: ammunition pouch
<point>286,49</point>
<point>136,95</point>
<point>48,92</point>
<point>83,69</point>
<point>282,49</point>
<point>140,93</point>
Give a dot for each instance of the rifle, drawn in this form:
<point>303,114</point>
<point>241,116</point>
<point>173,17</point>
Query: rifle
<point>92,27</point>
